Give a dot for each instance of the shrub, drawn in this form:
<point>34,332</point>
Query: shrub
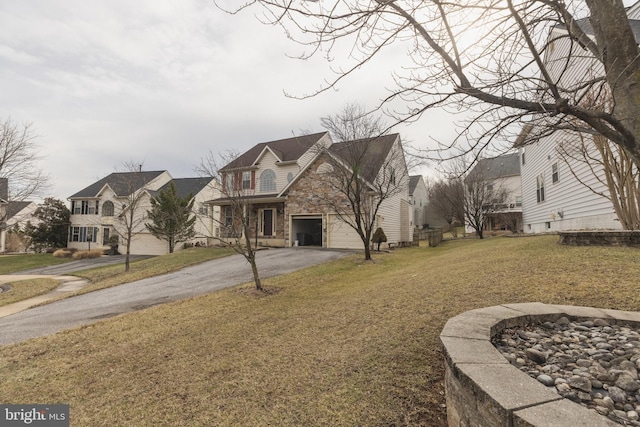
<point>62,253</point>
<point>94,253</point>
<point>379,237</point>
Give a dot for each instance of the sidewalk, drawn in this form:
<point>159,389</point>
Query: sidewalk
<point>67,284</point>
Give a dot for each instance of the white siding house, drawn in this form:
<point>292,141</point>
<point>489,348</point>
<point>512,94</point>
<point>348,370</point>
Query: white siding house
<point>419,198</point>
<point>560,193</point>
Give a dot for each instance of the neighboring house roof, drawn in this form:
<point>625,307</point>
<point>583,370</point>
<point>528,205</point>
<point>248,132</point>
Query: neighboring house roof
<point>585,25</point>
<point>499,167</point>
<point>185,186</point>
<point>285,150</point>
<point>14,208</point>
<point>375,151</point>
<point>413,183</point>
<point>122,183</point>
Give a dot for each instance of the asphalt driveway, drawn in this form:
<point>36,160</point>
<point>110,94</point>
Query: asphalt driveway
<point>188,282</point>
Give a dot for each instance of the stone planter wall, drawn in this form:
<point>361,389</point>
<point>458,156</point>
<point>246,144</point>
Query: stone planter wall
<point>483,389</point>
<point>604,238</point>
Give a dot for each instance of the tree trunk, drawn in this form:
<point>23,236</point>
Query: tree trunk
<point>254,270</point>
<point>619,54</point>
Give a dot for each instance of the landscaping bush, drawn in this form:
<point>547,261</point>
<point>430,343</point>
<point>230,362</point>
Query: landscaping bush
<point>94,253</point>
<point>379,237</point>
<point>62,253</point>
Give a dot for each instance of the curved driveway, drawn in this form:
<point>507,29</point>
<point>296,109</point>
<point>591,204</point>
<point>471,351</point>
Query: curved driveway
<point>188,282</point>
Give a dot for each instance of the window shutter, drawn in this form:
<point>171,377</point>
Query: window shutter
<point>253,180</point>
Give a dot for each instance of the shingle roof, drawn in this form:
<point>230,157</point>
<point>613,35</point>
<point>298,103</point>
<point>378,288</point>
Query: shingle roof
<point>122,183</point>
<point>15,207</point>
<point>186,186</point>
<point>375,152</point>
<point>289,149</point>
<point>499,167</point>
<point>586,26</point>
<point>413,182</point>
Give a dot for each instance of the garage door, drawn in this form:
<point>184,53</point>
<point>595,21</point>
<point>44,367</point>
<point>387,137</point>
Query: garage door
<point>341,235</point>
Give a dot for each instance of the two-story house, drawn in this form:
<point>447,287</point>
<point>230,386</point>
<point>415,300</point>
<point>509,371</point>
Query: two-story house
<point>419,199</point>
<point>559,191</point>
<point>283,187</point>
<point>501,178</point>
<point>98,211</point>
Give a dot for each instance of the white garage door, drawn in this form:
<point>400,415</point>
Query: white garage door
<point>341,235</point>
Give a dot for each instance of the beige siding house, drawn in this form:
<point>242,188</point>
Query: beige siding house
<point>285,191</point>
<point>97,211</point>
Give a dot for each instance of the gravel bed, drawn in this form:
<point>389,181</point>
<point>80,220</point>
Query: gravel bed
<point>593,363</point>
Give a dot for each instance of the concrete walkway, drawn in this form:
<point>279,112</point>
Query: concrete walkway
<point>67,284</point>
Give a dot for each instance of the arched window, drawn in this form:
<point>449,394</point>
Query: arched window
<point>268,181</point>
<point>325,168</point>
<point>107,208</point>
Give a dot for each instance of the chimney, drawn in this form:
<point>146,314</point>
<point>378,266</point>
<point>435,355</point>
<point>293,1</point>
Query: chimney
<point>4,189</point>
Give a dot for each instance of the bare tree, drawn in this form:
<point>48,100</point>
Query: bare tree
<point>237,215</point>
<point>446,198</point>
<point>485,56</point>
<point>131,214</point>
<point>482,198</point>
<point>364,171</point>
<point>19,161</point>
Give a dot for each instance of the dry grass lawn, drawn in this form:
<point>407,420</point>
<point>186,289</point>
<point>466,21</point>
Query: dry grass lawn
<point>343,344</point>
<point>25,289</point>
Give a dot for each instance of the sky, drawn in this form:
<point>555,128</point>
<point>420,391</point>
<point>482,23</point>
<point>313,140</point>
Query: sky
<point>158,82</point>
<point>162,83</point>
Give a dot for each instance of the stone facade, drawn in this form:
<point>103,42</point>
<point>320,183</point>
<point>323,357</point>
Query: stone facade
<point>308,195</point>
<point>600,238</point>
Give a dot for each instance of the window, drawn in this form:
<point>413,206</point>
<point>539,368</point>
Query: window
<point>290,177</point>
<point>246,180</point>
<point>547,225</point>
<point>540,188</point>
<point>228,183</point>
<point>523,158</point>
<point>83,234</point>
<point>105,233</point>
<point>267,181</point>
<point>518,201</point>
<point>554,173</point>
<point>84,207</point>
<point>489,187</point>
<point>268,222</point>
<point>228,216</point>
<point>203,209</point>
<point>107,208</point>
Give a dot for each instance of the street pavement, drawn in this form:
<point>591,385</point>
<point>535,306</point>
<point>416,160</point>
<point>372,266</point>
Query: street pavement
<point>188,282</point>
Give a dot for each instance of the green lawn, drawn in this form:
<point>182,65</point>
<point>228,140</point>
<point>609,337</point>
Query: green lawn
<point>348,343</point>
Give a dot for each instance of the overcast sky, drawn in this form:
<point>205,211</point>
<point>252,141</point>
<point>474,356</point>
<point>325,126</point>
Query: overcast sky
<point>163,82</point>
<point>160,82</point>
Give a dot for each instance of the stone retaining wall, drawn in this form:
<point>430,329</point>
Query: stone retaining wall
<point>483,389</point>
<point>604,238</point>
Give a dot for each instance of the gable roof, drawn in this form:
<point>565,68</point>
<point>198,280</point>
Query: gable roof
<point>122,183</point>
<point>289,149</point>
<point>499,167</point>
<point>413,182</point>
<point>13,208</point>
<point>185,186</point>
<point>374,151</point>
